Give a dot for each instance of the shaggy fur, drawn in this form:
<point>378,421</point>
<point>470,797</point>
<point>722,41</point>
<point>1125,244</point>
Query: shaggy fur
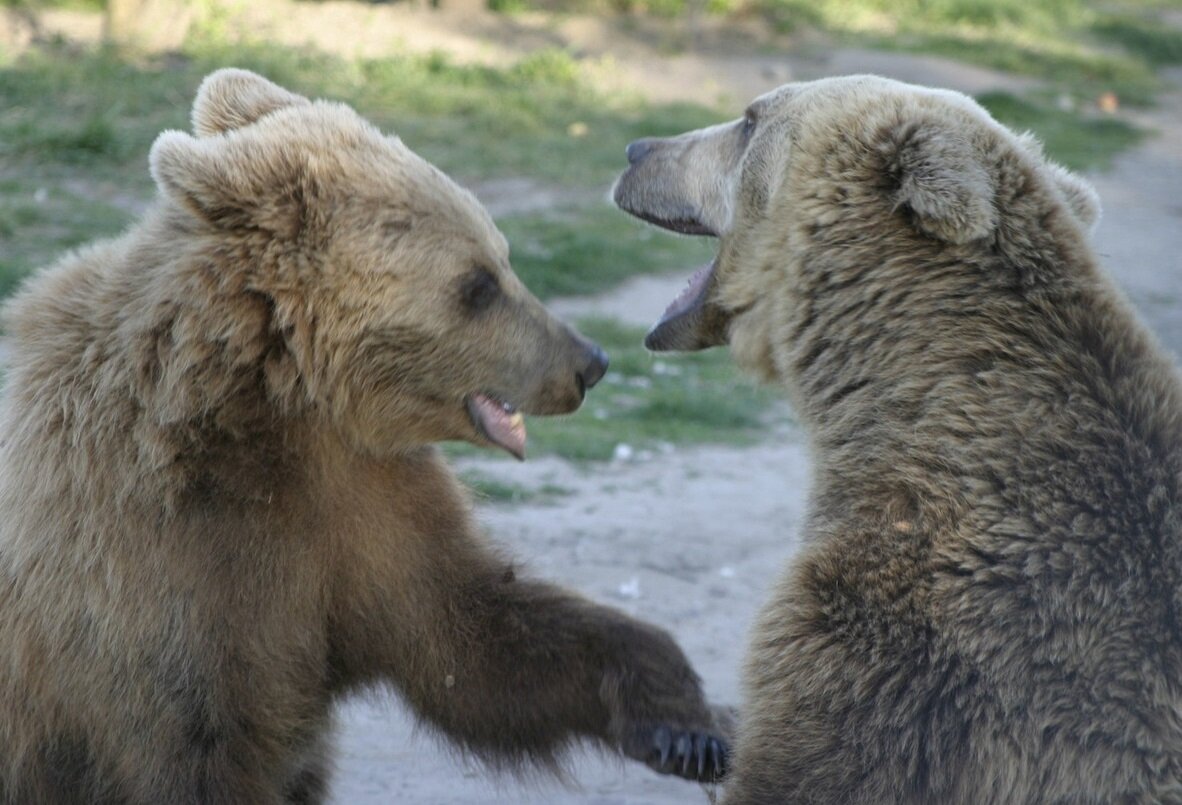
<point>219,508</point>
<point>985,606</point>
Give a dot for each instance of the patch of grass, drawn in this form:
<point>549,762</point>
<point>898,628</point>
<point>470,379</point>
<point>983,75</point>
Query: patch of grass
<point>1148,38</point>
<point>1082,73</point>
<point>64,106</point>
<point>539,118</point>
<point>650,402</point>
<point>583,250</point>
<point>1070,139</point>
<point>493,490</point>
<point>76,126</point>
<point>1067,43</point>
<point>41,220</point>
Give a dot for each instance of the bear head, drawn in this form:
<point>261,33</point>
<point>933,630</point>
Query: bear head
<point>821,182</point>
<point>377,292</point>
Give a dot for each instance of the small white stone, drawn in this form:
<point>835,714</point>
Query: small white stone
<point>630,589</point>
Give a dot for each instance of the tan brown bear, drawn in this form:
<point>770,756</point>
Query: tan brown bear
<point>220,510</point>
<point>986,604</point>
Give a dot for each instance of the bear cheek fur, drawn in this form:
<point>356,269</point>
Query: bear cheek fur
<point>382,381</point>
<point>403,380</point>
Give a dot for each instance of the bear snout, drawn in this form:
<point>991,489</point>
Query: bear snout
<point>562,385</point>
<point>594,367</point>
<point>638,149</point>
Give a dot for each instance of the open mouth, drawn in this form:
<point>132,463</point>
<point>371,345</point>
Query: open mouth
<point>498,422</point>
<point>678,326</point>
<point>690,321</point>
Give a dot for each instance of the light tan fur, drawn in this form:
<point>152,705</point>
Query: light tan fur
<point>985,606</point>
<point>220,510</point>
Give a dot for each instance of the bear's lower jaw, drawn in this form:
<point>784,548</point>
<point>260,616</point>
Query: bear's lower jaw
<point>691,321</point>
<point>498,422</point>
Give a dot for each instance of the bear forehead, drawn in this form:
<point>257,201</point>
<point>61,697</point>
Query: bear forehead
<point>328,130</point>
<point>867,96</point>
<point>339,147</point>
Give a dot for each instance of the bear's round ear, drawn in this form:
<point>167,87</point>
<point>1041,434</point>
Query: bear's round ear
<point>231,98</point>
<point>943,183</point>
<point>229,185</point>
<point>1079,194</point>
<point>173,161</point>
<point>190,173</point>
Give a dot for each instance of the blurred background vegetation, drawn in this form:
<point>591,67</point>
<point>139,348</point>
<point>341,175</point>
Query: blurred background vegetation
<point>540,136</point>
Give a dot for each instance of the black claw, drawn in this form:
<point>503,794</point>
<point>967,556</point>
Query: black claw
<point>716,758</point>
<point>691,755</point>
<point>663,742</point>
<point>684,753</point>
<point>701,744</point>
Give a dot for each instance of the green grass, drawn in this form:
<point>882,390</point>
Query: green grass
<point>493,490</point>
<point>1075,141</point>
<point>76,126</point>
<point>1153,42</point>
<point>1082,47</point>
<point>580,250</point>
<point>39,220</point>
<point>649,402</point>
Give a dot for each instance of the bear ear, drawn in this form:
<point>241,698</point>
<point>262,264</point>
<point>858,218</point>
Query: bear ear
<point>943,183</point>
<point>231,98</point>
<point>1079,194</point>
<point>230,185</point>
<point>1081,197</point>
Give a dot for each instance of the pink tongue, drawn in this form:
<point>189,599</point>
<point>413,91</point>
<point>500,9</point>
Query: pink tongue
<point>502,428</point>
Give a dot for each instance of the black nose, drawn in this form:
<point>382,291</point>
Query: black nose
<point>637,150</point>
<point>595,368</point>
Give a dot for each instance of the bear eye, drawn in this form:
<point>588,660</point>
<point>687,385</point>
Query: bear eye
<point>479,289</point>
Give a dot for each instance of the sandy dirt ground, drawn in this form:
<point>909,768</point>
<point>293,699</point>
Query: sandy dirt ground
<point>690,539</point>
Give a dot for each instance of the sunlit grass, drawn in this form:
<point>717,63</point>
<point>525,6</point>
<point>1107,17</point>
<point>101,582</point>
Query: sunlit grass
<point>1071,139</point>
<point>1083,47</point>
<point>488,489</point>
<point>76,126</point>
<point>581,250</point>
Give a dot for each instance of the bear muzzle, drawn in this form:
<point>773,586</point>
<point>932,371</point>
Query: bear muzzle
<point>499,421</point>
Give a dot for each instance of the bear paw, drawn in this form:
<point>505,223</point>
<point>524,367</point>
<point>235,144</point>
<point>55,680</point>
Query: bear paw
<point>697,756</point>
